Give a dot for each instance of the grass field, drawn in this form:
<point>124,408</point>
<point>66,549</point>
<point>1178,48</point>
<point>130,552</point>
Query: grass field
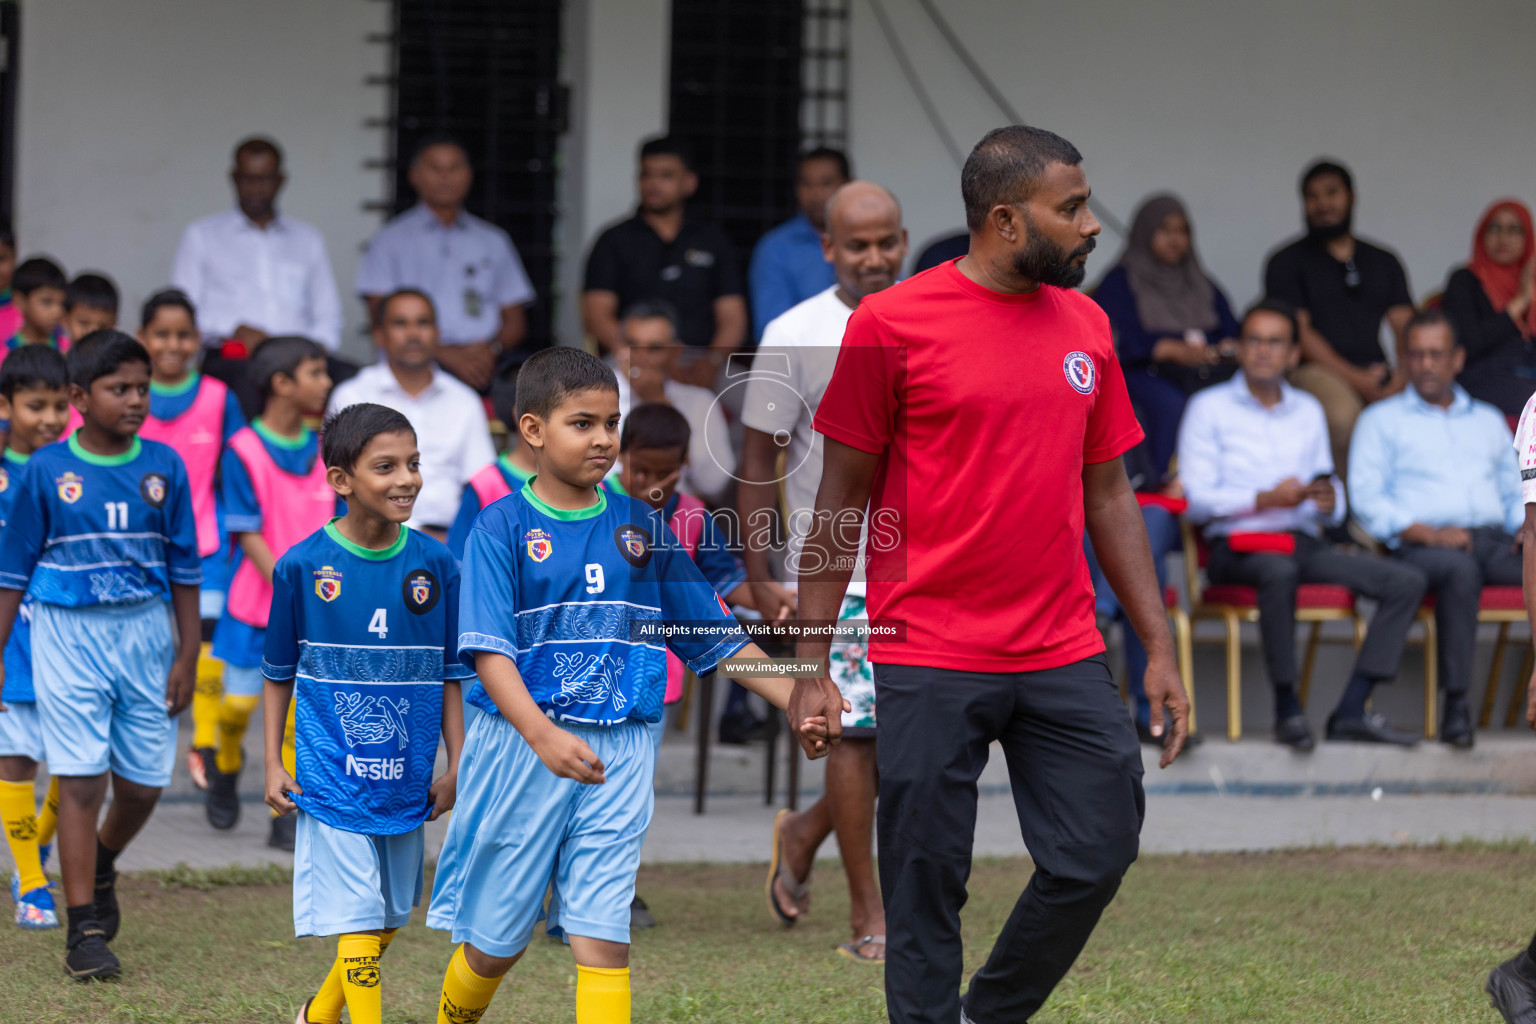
<point>1353,935</point>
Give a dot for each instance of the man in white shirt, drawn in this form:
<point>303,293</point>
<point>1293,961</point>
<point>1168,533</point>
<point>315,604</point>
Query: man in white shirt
<point>452,432</point>
<point>252,272</point>
<point>866,244</point>
<point>1256,466</point>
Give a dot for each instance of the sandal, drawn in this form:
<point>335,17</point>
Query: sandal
<point>851,949</point>
<point>778,871</point>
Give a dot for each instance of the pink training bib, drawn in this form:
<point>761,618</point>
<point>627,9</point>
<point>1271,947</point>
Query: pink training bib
<point>688,523</point>
<point>490,484</point>
<point>197,435</point>
<point>292,508</point>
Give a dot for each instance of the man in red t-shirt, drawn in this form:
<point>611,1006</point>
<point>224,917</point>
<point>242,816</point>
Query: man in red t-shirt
<point>979,410</point>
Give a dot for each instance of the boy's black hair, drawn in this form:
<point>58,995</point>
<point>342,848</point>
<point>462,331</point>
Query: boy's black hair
<point>100,353</point>
<point>669,145</point>
<point>655,425</point>
<point>345,434</point>
<point>37,272</point>
<point>504,397</point>
<point>280,355</point>
<point>93,291</point>
<point>1279,307</point>
<point>33,367</point>
<point>555,374</point>
<point>7,234</point>
<point>172,297</point>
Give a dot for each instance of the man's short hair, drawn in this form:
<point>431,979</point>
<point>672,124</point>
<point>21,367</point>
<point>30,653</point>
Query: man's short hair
<point>668,145</point>
<point>259,145</point>
<point>383,307</point>
<point>345,434</point>
<point>33,367</point>
<point>92,291</point>
<point>652,309</point>
<point>432,141</point>
<point>655,425</point>
<point>100,353</point>
<point>1322,169</point>
<point>551,376</point>
<point>837,156</point>
<point>1279,307</point>
<point>1006,167</point>
<point>280,355</point>
<point>38,272</point>
<point>1430,318</point>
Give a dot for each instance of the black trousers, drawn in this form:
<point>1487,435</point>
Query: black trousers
<point>1075,767</point>
<point>1457,578</point>
<point>1397,588</point>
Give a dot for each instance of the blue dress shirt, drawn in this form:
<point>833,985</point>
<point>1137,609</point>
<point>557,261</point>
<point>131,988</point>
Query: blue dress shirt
<point>1413,462</point>
<point>787,268</point>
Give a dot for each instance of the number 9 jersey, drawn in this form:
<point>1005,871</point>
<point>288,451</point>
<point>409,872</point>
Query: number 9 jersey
<point>368,638</point>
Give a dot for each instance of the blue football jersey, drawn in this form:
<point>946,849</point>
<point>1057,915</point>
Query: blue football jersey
<point>580,600</point>
<point>91,529</point>
<point>368,637</point>
<point>18,650</point>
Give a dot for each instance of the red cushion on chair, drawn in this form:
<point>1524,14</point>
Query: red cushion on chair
<point>1502,599</point>
<point>1171,597</point>
<point>1308,595</point>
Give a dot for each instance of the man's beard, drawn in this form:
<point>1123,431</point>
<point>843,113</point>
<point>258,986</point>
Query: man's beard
<point>1044,261</point>
<point>1320,233</point>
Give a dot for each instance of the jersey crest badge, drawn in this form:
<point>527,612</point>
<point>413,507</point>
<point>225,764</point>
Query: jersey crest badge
<point>367,719</point>
<point>152,488</point>
<point>71,487</point>
<point>421,591</point>
<point>5,480</point>
<point>540,544</point>
<point>634,543</point>
<point>1078,367</point>
<point>327,584</point>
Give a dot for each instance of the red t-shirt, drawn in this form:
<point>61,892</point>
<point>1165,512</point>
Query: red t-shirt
<point>984,406</point>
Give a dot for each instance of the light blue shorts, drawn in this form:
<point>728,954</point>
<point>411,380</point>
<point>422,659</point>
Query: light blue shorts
<point>350,882</point>
<point>516,825</point>
<point>242,682</point>
<point>100,675</point>
<point>21,735</point>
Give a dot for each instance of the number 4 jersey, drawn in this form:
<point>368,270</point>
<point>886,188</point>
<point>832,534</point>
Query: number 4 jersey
<point>368,637</point>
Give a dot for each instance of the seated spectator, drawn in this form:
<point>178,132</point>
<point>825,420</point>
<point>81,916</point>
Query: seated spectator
<point>454,436</point>
<point>1342,287</point>
<point>468,266</point>
<point>645,372</point>
<point>1174,328</point>
<point>1436,480</point>
<point>1490,305</point>
<point>787,266</point>
<point>90,304</point>
<point>1254,460</point>
<point>942,250</point>
<point>662,253</point>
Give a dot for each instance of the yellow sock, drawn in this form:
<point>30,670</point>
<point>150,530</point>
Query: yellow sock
<point>206,699</point>
<point>357,958</point>
<point>465,994</point>
<point>18,812</point>
<point>48,814</point>
<point>602,995</point>
<point>234,716</point>
<point>325,1007</point>
<point>289,758</point>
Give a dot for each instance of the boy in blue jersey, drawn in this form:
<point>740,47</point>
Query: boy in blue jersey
<point>363,631</point>
<point>571,597</point>
<point>102,538</point>
<point>34,396</point>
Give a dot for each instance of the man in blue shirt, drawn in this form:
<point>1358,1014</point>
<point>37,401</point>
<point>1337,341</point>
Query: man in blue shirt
<point>788,266</point>
<point>1434,477</point>
<point>468,266</point>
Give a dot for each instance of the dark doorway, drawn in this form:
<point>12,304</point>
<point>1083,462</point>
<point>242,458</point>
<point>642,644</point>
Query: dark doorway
<point>9,48</point>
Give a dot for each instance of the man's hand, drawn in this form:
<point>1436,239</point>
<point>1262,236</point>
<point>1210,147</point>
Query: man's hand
<point>1288,493</point>
<point>249,336</point>
<point>474,364</point>
<point>1166,691</point>
<point>773,601</point>
<point>568,756</point>
<point>279,785</point>
<point>442,794</point>
<point>816,699</point>
<point>1371,382</point>
<point>1322,495</point>
<point>180,682</point>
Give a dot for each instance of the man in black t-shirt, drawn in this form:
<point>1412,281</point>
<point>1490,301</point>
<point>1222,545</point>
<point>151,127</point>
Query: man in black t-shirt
<point>661,253</point>
<point>1342,288</point>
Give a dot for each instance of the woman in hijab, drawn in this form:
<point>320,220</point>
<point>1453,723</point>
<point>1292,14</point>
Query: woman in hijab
<point>1174,328</point>
<point>1489,302</point>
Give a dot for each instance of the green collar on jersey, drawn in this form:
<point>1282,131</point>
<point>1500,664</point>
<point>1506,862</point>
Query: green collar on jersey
<point>16,458</point>
<point>372,554</point>
<point>512,469</point>
<point>567,514</point>
<point>172,390</point>
<point>104,460</point>
<point>273,437</point>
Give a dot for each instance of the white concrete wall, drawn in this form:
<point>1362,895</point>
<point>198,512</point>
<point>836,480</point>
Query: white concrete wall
<point>1430,104</point>
<point>128,113</point>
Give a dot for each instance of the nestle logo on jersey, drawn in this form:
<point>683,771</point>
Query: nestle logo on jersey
<point>385,769</point>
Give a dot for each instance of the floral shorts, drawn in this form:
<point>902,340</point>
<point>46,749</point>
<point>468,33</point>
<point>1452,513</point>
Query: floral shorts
<point>850,669</point>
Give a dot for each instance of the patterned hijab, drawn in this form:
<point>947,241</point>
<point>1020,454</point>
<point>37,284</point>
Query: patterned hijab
<point>1168,299</point>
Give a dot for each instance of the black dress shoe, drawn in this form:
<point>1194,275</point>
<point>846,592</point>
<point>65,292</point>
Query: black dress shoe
<point>1144,734</point>
<point>1293,732</point>
<point>1512,993</point>
<point>1370,729</point>
<point>1456,728</point>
